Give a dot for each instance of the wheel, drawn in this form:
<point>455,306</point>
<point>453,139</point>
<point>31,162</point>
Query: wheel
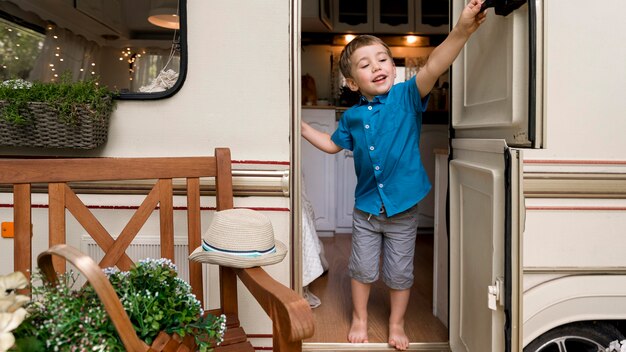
<point>577,337</point>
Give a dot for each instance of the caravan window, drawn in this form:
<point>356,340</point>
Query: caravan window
<point>136,47</point>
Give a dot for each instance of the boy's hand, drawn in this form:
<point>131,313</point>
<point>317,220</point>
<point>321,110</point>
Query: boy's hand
<point>471,18</point>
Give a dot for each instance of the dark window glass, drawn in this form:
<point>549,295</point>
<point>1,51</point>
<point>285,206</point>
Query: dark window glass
<point>394,12</point>
<point>353,12</point>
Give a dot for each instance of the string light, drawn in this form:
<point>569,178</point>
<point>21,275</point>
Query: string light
<point>58,55</point>
<point>131,57</point>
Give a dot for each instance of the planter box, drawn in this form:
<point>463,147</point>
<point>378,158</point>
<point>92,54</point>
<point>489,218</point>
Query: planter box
<point>48,131</point>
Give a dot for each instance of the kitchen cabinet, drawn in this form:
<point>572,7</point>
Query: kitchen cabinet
<point>367,16</point>
<point>346,184</point>
<point>318,171</point>
<point>353,16</point>
<point>432,16</point>
<point>317,15</point>
<point>391,16</point>
<point>394,16</point>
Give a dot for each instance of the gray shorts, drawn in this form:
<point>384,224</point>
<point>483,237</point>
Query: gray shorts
<point>394,237</point>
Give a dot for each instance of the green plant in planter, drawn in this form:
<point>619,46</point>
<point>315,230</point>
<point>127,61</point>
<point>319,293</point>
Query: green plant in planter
<point>65,97</point>
<point>155,299</point>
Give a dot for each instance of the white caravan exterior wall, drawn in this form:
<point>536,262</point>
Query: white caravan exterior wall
<point>575,187</point>
<point>237,94</point>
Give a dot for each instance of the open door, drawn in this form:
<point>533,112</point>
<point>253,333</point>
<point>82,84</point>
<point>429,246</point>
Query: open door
<point>497,79</point>
<point>496,105</point>
<point>485,213</point>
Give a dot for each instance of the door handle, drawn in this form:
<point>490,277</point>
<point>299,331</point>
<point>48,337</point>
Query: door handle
<point>502,7</point>
<point>495,294</point>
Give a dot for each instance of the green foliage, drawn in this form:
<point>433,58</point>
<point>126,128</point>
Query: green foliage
<point>65,97</point>
<point>154,298</point>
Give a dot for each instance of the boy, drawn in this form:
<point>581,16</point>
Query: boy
<point>383,131</point>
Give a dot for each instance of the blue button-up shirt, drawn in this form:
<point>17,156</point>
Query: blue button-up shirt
<point>384,136</point>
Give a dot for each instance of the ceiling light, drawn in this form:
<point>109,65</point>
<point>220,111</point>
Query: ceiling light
<point>164,13</point>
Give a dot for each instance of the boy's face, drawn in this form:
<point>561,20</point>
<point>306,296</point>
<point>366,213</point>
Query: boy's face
<point>373,71</point>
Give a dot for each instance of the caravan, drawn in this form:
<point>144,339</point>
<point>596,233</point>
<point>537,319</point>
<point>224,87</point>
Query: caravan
<point>527,214</point>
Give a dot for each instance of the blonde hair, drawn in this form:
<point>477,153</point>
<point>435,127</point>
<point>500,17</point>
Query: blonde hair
<point>360,41</point>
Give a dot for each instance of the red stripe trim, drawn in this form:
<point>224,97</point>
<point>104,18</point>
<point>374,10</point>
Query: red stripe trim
<point>577,162</point>
<point>132,207</point>
<point>575,208</point>
<point>262,162</point>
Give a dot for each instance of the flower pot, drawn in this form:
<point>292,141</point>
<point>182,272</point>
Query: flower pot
<point>46,130</point>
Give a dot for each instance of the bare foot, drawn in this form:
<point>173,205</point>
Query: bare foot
<point>397,337</point>
<point>358,331</point>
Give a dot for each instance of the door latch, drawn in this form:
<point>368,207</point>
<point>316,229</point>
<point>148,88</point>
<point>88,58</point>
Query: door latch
<point>495,294</point>
<point>502,7</point>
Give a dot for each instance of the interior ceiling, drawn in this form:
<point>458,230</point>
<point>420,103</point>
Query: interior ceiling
<point>123,19</point>
<point>136,16</point>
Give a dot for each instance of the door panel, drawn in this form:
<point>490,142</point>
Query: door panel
<point>496,80</point>
<point>484,279</point>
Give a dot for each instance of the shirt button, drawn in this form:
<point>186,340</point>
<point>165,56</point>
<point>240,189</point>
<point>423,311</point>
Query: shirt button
<point>372,148</point>
<point>369,107</point>
<point>377,167</point>
<point>380,185</point>
<point>367,127</point>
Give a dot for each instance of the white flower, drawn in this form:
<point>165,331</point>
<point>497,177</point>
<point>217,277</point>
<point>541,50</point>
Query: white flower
<point>8,322</point>
<point>17,84</point>
<point>9,301</point>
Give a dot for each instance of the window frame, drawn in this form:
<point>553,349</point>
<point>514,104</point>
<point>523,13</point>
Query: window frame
<point>182,74</point>
<point>182,42</point>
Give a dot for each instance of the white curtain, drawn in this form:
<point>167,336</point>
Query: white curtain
<point>151,64</point>
<point>64,52</point>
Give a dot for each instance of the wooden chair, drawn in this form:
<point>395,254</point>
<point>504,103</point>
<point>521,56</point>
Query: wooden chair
<point>292,319</point>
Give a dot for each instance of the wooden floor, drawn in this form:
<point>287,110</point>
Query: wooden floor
<point>332,318</point>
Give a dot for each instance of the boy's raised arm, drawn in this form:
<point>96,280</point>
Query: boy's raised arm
<point>445,53</point>
<point>320,140</point>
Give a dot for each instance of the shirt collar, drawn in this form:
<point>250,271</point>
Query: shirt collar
<point>377,99</point>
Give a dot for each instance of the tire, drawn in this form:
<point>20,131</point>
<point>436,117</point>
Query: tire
<point>577,337</point>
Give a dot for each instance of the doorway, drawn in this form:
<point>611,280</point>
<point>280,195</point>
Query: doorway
<point>328,188</point>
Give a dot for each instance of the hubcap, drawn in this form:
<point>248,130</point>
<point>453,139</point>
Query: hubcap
<point>571,344</point>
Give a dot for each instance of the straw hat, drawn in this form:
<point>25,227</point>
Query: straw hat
<point>239,238</point>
